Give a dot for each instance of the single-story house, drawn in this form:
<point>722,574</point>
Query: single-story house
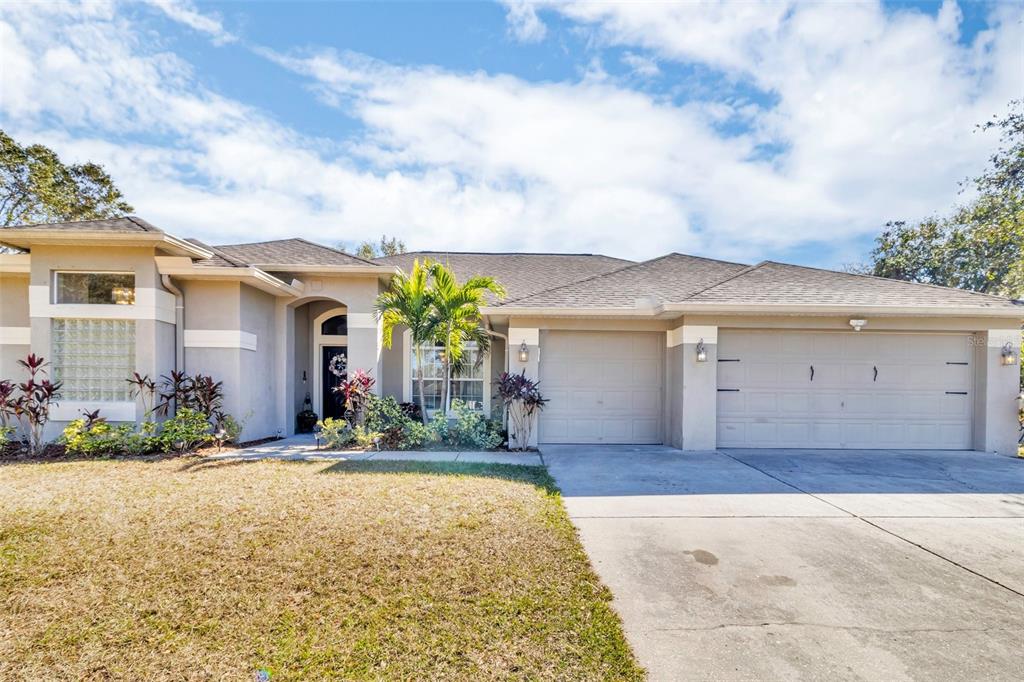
<point>686,351</point>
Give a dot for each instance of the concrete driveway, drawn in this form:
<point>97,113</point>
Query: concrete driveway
<point>770,564</point>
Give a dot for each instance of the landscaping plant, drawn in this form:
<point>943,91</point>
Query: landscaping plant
<point>355,393</point>
<point>185,431</point>
<point>523,401</point>
<point>335,433</point>
<point>37,396</point>
<point>472,429</point>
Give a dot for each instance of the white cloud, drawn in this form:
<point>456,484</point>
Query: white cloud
<point>641,65</point>
<point>523,22</point>
<point>874,113</point>
<point>185,12</point>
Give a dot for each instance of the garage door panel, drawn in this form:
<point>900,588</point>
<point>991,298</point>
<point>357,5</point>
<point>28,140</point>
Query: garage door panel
<point>607,387</point>
<point>921,397</point>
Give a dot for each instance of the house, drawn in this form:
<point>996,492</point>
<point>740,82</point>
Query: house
<point>686,351</point>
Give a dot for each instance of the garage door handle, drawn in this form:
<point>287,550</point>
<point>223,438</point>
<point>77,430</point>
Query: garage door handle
<point>812,372</point>
<point>876,374</point>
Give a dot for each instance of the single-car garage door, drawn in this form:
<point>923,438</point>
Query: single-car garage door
<point>845,390</point>
<point>604,387</point>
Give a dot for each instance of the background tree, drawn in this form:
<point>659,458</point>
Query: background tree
<point>37,187</point>
<point>409,302</point>
<point>458,320</point>
<point>980,246</point>
<point>387,246</point>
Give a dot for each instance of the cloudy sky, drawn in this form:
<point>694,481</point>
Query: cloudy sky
<point>743,131</point>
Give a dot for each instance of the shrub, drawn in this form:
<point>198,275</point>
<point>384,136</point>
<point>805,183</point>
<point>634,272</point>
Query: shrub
<point>335,433</point>
<point>356,392</point>
<point>5,436</point>
<point>397,428</point>
<point>93,436</point>
<point>522,399</point>
<point>472,429</point>
<point>365,438</point>
<point>38,395</point>
<point>185,431</point>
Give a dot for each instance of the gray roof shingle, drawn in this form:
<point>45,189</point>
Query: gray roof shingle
<point>290,252</point>
<point>666,279</point>
<point>126,224</point>
<point>521,274</point>
<point>219,260</point>
<point>772,283</point>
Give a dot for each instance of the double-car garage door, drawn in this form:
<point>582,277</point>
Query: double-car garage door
<point>844,390</point>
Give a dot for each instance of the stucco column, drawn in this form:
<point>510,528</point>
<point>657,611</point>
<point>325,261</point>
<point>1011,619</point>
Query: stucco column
<point>998,385</point>
<point>531,336</point>
<point>699,422</point>
<point>364,344</point>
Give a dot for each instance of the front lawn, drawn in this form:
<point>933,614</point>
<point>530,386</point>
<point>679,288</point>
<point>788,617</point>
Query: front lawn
<point>192,569</point>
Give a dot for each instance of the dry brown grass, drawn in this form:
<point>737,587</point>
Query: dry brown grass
<point>182,569</point>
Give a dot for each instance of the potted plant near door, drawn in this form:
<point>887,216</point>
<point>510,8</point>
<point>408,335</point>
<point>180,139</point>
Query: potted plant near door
<point>307,419</point>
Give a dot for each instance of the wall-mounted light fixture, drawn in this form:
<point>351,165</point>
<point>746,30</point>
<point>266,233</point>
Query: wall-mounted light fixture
<point>524,352</point>
<point>702,352</point>
<point>858,324</point>
<point>1009,357</point>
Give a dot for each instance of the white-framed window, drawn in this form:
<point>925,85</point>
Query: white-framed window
<point>104,288</point>
<point>467,385</point>
<point>93,358</point>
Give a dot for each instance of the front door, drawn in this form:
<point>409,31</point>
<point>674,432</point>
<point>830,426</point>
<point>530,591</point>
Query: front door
<point>330,369</point>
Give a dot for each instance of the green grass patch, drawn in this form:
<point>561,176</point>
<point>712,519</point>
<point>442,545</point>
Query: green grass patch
<point>355,570</point>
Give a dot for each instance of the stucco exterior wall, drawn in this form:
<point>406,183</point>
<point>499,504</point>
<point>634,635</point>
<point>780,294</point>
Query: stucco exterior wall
<point>256,404</point>
<point>15,329</point>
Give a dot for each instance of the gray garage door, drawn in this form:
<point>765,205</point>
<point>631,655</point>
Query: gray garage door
<point>605,387</point>
<point>845,390</point>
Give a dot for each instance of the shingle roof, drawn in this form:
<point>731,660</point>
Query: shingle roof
<point>666,279</point>
<point>521,274</point>
<point>290,252</point>
<point>219,260</point>
<point>774,283</point>
<point>126,224</point>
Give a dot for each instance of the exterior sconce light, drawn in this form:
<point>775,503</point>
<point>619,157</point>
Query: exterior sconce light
<point>1009,357</point>
<point>857,324</point>
<point>524,352</point>
<point>702,353</point>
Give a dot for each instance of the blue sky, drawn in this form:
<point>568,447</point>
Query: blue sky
<point>787,131</point>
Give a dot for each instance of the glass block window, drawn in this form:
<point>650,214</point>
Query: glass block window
<point>467,384</point>
<point>94,358</point>
<point>111,288</point>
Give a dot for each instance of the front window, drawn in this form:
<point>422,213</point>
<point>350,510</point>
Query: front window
<point>467,384</point>
<point>94,358</point>
<point>110,288</point>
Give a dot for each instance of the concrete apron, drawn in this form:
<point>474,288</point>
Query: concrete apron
<point>805,565</point>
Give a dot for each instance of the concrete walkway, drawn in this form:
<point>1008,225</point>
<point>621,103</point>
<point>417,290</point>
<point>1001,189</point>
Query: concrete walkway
<point>303,447</point>
<point>776,564</point>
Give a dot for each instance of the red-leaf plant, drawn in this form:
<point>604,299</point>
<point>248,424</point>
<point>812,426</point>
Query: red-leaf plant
<point>522,399</point>
<point>7,401</point>
<point>355,392</point>
<point>38,395</point>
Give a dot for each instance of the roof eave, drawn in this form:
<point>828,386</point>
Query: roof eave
<point>176,267</point>
<point>25,239</point>
<point>15,263</point>
<point>672,309</point>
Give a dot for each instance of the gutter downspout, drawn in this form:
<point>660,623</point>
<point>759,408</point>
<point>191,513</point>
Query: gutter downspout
<point>179,322</point>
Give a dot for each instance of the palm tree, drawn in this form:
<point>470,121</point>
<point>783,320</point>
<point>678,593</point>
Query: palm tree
<point>457,321</point>
<point>409,301</point>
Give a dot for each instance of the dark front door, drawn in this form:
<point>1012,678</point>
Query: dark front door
<point>333,404</point>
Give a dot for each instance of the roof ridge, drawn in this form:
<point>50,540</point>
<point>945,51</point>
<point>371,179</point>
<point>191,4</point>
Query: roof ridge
<point>892,279</point>
<point>747,270</point>
<point>146,226</point>
<point>331,248</point>
<point>590,278</point>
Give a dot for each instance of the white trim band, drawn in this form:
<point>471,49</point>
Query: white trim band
<point>361,320</point>
<point>219,338</point>
<point>150,304</point>
<point>15,336</point>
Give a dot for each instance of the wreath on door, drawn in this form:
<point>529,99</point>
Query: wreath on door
<point>338,365</point>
